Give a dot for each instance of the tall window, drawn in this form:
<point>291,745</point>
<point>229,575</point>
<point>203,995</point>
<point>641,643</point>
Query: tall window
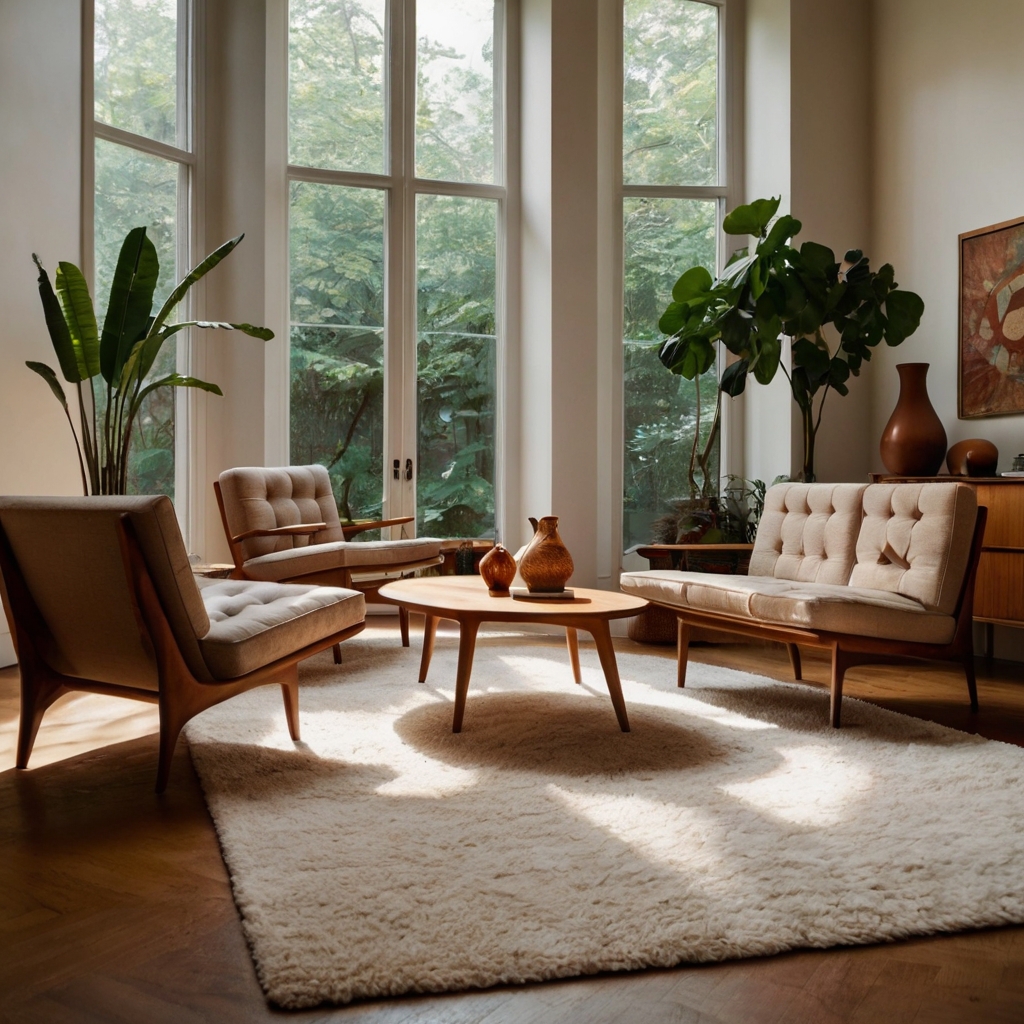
<point>396,206</point>
<point>143,160</point>
<point>673,188</point>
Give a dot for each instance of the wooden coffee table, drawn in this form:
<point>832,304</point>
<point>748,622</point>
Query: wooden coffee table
<point>466,600</point>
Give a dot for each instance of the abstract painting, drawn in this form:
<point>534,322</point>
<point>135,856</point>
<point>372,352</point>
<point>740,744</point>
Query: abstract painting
<point>992,321</point>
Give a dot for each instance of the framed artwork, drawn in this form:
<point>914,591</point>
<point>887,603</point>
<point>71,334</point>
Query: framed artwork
<point>991,340</point>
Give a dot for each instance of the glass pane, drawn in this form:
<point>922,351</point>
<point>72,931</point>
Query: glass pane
<point>663,237</point>
<point>133,190</point>
<point>455,90</point>
<point>336,84</point>
<point>136,68</point>
<point>456,258</point>
<point>670,93</point>
<point>337,340</point>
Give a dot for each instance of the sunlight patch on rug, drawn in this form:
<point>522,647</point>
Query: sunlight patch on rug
<point>383,854</point>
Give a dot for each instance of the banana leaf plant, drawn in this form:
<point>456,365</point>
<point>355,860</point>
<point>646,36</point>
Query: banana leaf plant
<point>778,290</point>
<point>110,369</point>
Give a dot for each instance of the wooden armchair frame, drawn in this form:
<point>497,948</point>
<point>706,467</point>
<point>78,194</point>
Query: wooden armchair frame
<point>340,577</point>
<point>180,695</point>
<point>847,649</point>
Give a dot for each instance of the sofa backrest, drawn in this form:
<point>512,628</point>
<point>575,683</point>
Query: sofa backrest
<point>916,541</point>
<point>808,532</point>
<point>258,498</point>
<point>68,552</point>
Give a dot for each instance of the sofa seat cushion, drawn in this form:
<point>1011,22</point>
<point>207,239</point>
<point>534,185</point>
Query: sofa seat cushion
<point>255,623</point>
<point>319,558</point>
<point>824,607</point>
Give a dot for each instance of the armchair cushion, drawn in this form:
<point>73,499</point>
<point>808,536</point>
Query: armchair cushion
<point>256,498</point>
<point>320,558</point>
<point>253,624</point>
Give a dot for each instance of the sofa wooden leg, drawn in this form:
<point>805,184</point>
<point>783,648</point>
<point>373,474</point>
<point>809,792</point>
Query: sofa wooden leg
<point>682,650</point>
<point>839,666</point>
<point>972,685</point>
<point>403,624</point>
<point>337,654</point>
<point>794,660</point>
<point>171,724</point>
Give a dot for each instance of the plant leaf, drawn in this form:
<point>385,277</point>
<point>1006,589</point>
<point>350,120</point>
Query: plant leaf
<point>51,378</point>
<point>695,283</point>
<point>264,333</point>
<point>175,380</point>
<point>782,231</point>
<point>60,335</point>
<point>131,301</point>
<point>751,219</point>
<point>903,311</point>
<point>190,279</point>
<point>734,379</point>
<point>80,318</point>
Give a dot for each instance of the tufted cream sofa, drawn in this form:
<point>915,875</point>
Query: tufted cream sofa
<point>871,572</point>
<point>100,597</point>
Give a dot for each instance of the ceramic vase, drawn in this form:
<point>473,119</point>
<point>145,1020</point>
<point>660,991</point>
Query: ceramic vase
<point>546,564</point>
<point>914,440</point>
<point>973,457</point>
<point>498,569</point>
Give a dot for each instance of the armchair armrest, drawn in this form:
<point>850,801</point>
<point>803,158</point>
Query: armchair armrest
<point>360,526</point>
<point>281,531</point>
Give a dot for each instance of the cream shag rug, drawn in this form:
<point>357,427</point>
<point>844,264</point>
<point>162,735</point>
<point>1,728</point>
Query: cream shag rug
<point>383,854</point>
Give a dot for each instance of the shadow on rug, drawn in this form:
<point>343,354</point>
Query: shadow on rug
<point>383,854</point>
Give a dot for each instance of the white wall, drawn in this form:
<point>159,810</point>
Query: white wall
<point>40,70</point>
<point>949,158</point>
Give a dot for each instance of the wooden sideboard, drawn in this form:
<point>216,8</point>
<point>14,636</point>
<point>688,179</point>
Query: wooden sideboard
<point>999,591</point>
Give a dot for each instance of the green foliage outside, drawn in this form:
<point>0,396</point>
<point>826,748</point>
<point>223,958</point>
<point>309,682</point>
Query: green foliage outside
<point>669,138</point>
<point>338,263</point>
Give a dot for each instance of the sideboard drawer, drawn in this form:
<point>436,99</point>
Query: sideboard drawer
<point>999,591</point>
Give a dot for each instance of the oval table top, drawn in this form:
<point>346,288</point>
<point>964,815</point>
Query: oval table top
<point>458,596</point>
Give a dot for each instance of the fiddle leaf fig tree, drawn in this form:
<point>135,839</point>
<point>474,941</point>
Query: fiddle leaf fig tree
<point>776,289</point>
<point>114,364</point>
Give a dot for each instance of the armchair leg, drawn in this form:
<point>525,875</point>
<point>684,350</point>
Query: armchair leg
<point>171,723</point>
<point>682,650</point>
<point>36,696</point>
<point>403,624</point>
<point>290,691</point>
<point>337,654</point>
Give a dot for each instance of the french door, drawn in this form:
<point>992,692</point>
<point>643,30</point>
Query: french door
<point>397,200</point>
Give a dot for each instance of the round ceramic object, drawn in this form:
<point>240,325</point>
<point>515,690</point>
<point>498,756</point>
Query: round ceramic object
<point>498,569</point>
<point>914,440</point>
<point>973,457</point>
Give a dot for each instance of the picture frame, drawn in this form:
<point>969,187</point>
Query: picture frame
<point>990,360</point>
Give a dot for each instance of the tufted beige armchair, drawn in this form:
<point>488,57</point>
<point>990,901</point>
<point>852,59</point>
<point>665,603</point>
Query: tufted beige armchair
<point>282,524</point>
<point>100,597</point>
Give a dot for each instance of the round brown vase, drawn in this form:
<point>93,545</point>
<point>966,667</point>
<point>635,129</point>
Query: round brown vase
<point>546,564</point>
<point>973,457</point>
<point>914,440</point>
<point>498,569</point>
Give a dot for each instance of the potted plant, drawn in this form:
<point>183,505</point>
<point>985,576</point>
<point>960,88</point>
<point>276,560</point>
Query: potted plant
<point>121,356</point>
<point>778,290</point>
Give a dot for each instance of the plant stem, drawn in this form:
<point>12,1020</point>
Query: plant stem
<point>690,474</point>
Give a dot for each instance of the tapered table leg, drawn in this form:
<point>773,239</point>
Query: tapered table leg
<point>599,630</point>
<point>467,645</point>
<point>429,632</point>
<point>573,643</point>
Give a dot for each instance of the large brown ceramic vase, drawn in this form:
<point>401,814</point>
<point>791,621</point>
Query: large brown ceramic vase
<point>546,564</point>
<point>914,440</point>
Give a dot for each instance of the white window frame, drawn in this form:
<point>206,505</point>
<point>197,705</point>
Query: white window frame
<point>402,187</point>
<point>188,221</point>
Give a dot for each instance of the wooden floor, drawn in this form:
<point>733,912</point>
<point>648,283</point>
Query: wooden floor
<point>115,905</point>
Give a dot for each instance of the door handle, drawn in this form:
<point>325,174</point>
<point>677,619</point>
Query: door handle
<point>408,469</point>
<point>396,467</point>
